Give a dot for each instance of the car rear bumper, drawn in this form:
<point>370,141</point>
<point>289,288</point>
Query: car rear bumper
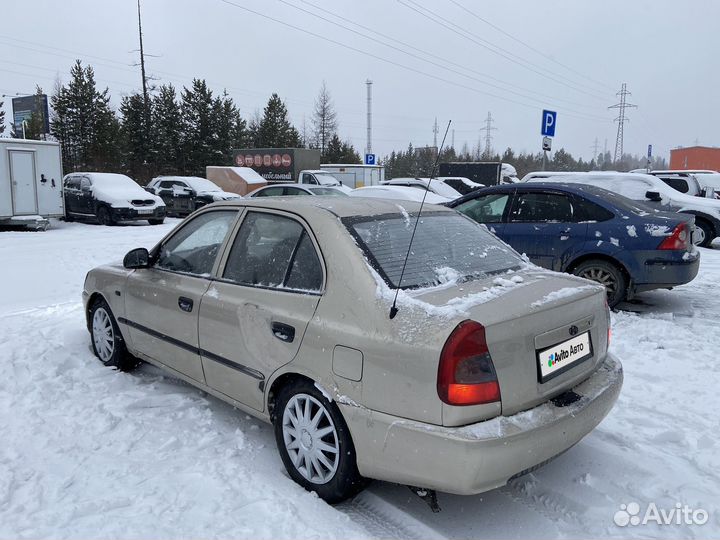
<point>663,273</point>
<point>128,214</point>
<point>483,456</point>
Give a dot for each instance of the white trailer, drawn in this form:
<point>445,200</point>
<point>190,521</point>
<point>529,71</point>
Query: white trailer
<point>30,182</point>
<point>355,176</point>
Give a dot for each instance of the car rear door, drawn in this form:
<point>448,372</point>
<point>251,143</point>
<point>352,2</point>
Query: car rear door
<point>162,302</point>
<point>541,225</point>
<point>71,193</point>
<point>86,199</point>
<point>254,316</point>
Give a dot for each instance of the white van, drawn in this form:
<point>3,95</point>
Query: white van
<point>651,191</point>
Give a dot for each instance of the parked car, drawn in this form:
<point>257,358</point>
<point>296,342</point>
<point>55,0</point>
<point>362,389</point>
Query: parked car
<point>284,190</point>
<point>321,177</point>
<point>109,198</point>
<point>185,194</point>
<point>460,184</point>
<point>400,193</point>
<point>590,232</point>
<point>680,181</point>
<point>653,192</point>
<point>434,185</point>
<point>490,367</point>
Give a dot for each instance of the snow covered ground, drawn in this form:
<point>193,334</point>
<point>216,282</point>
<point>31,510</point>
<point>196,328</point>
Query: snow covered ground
<point>86,452</point>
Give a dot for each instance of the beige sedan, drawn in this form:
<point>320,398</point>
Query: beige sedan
<point>280,307</point>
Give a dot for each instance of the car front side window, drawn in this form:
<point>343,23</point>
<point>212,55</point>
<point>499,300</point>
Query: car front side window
<point>273,251</point>
<point>195,247</point>
<point>485,209</point>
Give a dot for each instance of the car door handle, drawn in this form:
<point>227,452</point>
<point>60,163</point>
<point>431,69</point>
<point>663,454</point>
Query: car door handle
<point>284,332</point>
<point>186,304</point>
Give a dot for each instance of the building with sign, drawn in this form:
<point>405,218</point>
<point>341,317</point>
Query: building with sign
<point>277,165</point>
<point>24,107</point>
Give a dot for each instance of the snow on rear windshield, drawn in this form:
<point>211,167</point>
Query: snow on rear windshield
<point>445,245</point>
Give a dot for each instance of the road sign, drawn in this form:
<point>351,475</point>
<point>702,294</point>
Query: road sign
<point>649,151</point>
<point>369,159</point>
<point>547,144</point>
<point>549,119</point>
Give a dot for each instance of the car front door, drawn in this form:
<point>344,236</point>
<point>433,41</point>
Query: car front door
<point>253,317</point>
<point>86,200</point>
<point>162,302</point>
<point>541,225</point>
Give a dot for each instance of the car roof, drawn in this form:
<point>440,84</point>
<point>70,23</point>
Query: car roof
<point>338,206</point>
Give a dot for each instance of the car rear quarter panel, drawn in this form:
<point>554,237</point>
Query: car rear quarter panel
<point>399,356</point>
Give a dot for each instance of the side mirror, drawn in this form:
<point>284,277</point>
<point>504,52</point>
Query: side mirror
<point>86,189</point>
<point>137,258</point>
<point>653,196</point>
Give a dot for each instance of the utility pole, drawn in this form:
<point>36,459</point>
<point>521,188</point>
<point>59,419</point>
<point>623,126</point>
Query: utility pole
<point>488,135</point>
<point>452,140</point>
<point>435,133</point>
<point>621,119</point>
<point>146,102</point>
<point>368,82</point>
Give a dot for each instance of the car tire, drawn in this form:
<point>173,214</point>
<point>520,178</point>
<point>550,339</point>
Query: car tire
<point>107,341</point>
<point>103,216</point>
<point>68,218</point>
<point>156,221</point>
<point>706,233</point>
<point>605,273</point>
<point>331,470</point>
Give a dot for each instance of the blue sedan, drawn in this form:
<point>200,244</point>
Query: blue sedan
<point>589,232</point>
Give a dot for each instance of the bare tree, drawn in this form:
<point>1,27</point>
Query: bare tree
<point>324,119</point>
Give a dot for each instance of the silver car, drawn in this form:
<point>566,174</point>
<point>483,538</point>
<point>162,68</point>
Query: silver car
<point>280,307</point>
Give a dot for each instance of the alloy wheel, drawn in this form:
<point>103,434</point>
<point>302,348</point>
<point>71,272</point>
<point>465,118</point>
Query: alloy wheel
<point>602,276</point>
<point>310,438</point>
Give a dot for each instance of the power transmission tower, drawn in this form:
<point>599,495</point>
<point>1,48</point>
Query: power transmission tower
<point>595,147</point>
<point>621,119</point>
<point>435,133</point>
<point>488,129</point>
<point>368,82</point>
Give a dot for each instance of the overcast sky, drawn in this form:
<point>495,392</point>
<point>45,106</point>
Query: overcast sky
<point>569,55</point>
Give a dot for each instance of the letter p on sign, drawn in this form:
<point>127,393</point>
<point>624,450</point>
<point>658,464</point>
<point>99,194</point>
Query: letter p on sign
<point>548,123</point>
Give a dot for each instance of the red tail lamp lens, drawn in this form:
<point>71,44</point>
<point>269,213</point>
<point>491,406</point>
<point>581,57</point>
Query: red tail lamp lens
<point>466,374</point>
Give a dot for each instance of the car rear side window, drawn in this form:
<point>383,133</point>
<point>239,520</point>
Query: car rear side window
<point>541,207</point>
<point>584,210</point>
<point>270,192</point>
<point>274,251</point>
<point>485,209</point>
<point>678,184</point>
<point>447,246</point>
<point>194,248</point>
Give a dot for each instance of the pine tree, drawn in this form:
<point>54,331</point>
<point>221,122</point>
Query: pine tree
<point>275,129</point>
<point>135,139</point>
<point>230,128</point>
<point>338,151</point>
<point>84,123</point>
<point>2,118</point>
<point>324,119</point>
<point>198,128</point>
<point>166,149</point>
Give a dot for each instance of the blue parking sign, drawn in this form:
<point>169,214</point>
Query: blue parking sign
<point>369,159</point>
<point>549,119</point>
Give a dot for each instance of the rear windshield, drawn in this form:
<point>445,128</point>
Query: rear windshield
<point>447,247</point>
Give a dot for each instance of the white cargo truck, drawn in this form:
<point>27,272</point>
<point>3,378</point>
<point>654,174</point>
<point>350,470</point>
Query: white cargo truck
<point>355,176</point>
<point>30,183</point>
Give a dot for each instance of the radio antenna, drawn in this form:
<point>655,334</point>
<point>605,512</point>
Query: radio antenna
<point>394,309</point>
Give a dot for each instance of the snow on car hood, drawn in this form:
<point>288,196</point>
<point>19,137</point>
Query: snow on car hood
<point>118,190</point>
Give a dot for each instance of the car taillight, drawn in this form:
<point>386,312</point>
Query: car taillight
<point>607,312</point>
<point>677,240</point>
<point>466,374</point>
